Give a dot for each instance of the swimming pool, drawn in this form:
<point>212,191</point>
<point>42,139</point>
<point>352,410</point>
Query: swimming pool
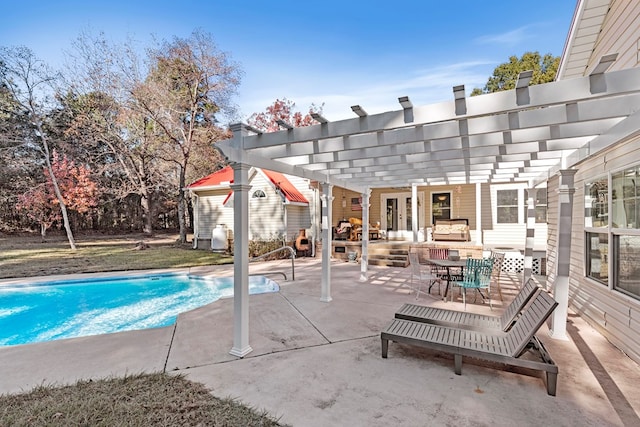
<point>54,310</point>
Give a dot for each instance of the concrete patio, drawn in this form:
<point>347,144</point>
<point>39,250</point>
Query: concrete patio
<point>319,364</point>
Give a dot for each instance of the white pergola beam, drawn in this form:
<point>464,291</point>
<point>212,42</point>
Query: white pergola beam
<point>559,119</point>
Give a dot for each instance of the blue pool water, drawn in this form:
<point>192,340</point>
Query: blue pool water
<point>55,310</point>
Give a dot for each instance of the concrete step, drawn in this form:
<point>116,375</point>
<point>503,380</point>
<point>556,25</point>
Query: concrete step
<point>397,260</point>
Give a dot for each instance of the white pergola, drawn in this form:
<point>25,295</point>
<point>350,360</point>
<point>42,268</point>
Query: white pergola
<point>527,134</point>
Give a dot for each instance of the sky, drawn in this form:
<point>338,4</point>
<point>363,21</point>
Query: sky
<point>333,54</point>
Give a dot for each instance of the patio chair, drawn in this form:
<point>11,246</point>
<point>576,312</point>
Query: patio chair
<point>477,276</point>
<point>440,253</point>
<point>498,260</point>
<point>473,321</point>
<point>421,273</point>
<point>506,348</point>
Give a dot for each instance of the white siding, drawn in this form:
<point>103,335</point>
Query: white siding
<point>266,215</point>
<point>615,315</point>
<point>620,34</point>
<point>510,235</point>
<point>211,212</point>
<point>298,218</point>
<point>552,224</point>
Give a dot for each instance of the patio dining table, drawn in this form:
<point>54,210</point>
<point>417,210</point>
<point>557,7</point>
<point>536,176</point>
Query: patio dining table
<point>447,264</point>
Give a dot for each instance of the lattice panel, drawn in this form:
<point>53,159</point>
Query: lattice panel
<point>516,265</point>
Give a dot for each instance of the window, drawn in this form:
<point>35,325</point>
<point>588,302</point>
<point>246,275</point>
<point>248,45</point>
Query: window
<point>625,197</point>
<point>596,203</point>
<point>507,206</point>
<point>259,194</point>
<point>597,262</point>
<point>627,266</point>
<point>612,226</point>
<point>440,206</point>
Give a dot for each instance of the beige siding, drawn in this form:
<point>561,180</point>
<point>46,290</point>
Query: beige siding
<point>620,34</point>
<point>485,199</point>
<point>615,315</point>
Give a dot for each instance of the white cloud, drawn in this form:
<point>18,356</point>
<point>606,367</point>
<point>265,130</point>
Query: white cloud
<point>510,38</point>
<point>340,91</point>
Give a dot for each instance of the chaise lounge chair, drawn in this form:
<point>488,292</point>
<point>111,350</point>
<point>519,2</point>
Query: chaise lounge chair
<point>506,348</point>
<point>465,320</point>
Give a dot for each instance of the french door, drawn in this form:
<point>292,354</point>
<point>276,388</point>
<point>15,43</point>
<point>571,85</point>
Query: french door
<point>396,215</point>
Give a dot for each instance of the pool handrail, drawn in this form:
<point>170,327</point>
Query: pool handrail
<point>293,256</point>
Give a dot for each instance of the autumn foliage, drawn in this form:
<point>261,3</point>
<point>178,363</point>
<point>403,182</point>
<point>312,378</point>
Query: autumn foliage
<point>266,121</point>
<point>79,193</point>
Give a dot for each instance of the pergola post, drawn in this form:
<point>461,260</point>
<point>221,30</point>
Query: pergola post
<point>531,230</point>
<point>414,212</point>
<point>479,214</point>
<point>240,189</point>
<point>558,328</point>
<point>327,220</point>
<point>364,258</point>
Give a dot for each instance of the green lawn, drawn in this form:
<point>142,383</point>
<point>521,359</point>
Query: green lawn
<point>28,256</point>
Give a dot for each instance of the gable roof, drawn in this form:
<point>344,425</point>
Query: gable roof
<point>586,25</point>
<point>224,178</point>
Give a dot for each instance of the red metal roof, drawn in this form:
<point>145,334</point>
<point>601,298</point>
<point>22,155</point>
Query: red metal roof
<point>290,192</point>
<point>225,175</point>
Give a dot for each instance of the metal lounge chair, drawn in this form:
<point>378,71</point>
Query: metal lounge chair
<point>463,319</point>
<point>506,348</point>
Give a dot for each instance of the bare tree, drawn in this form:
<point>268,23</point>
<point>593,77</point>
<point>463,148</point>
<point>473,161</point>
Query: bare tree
<point>103,77</point>
<point>30,84</point>
<point>190,81</point>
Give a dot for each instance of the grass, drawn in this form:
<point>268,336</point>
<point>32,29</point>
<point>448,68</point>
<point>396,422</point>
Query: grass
<point>156,399</point>
<point>29,256</point>
<point>140,400</point>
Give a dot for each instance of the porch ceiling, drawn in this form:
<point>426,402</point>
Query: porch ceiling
<point>525,134</point>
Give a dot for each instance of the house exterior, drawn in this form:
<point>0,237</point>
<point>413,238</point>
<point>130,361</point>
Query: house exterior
<point>501,222</point>
<point>577,137</point>
<point>604,285</point>
<point>280,206</point>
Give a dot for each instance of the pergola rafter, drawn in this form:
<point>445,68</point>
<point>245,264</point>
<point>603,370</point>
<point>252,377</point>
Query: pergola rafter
<point>477,140</point>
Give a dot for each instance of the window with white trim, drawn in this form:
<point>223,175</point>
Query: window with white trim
<point>612,227</point>
<point>259,194</point>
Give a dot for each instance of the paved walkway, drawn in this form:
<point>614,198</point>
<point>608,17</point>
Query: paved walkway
<point>319,364</point>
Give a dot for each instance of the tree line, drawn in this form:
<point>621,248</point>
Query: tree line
<point>109,142</point>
